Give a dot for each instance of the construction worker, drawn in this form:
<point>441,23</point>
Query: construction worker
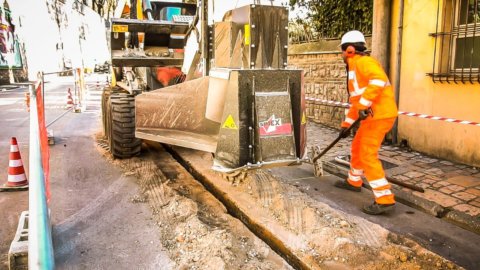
<point>373,103</point>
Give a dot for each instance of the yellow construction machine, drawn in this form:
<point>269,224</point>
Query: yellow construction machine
<point>205,76</point>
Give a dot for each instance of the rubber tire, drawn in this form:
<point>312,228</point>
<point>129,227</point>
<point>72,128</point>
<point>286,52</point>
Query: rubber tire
<point>121,126</point>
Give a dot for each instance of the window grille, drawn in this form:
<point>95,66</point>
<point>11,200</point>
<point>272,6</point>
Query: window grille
<point>457,42</point>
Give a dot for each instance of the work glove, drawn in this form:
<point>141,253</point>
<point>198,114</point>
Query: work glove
<point>363,114</point>
<point>344,133</point>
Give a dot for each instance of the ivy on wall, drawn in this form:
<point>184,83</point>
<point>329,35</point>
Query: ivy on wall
<point>332,18</point>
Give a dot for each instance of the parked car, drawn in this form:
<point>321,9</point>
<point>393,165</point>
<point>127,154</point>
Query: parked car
<point>102,68</point>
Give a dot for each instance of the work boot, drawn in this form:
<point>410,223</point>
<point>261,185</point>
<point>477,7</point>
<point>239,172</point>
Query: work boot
<point>378,209</point>
<point>345,185</point>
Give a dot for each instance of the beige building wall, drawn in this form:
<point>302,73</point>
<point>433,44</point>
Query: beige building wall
<point>419,94</point>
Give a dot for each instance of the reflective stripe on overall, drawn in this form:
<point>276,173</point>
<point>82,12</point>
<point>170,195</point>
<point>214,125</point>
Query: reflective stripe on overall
<point>369,87</point>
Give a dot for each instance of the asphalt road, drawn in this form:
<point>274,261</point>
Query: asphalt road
<point>95,224</point>
<point>14,123</point>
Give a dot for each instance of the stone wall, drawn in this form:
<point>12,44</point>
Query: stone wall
<point>325,79</point>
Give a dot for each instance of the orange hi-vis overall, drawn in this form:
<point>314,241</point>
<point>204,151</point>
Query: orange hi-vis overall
<point>369,87</point>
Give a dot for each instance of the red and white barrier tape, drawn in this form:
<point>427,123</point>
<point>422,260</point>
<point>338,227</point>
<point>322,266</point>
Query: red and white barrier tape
<point>451,120</point>
<point>411,114</point>
<point>96,85</point>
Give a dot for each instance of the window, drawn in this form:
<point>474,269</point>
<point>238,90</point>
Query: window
<point>457,42</point>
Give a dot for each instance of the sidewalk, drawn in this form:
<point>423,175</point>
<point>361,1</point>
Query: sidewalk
<point>452,190</point>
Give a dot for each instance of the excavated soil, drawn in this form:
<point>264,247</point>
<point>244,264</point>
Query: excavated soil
<point>335,239</point>
<point>198,232</point>
<point>195,228</point>
<point>316,234</point>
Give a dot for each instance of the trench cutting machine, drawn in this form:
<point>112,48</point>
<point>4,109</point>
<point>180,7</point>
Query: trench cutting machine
<point>222,87</point>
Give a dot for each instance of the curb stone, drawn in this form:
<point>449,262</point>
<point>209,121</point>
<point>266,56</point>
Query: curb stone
<point>463,220</point>
<point>420,203</point>
<point>453,216</point>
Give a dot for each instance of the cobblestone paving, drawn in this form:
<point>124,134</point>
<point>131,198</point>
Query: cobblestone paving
<point>449,184</point>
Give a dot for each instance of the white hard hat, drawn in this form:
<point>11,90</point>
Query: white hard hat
<point>353,37</point>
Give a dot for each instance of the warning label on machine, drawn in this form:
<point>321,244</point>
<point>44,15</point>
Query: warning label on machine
<point>247,34</point>
<point>119,28</point>
<point>229,123</point>
<point>274,126</point>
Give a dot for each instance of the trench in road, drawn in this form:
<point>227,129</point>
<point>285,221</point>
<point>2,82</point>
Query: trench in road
<point>190,217</point>
<point>443,238</point>
<point>299,221</point>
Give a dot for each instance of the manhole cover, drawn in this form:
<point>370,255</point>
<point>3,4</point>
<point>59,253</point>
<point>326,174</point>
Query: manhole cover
<point>345,162</point>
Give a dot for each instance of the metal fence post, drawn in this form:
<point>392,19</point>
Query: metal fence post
<point>75,78</point>
<point>41,77</point>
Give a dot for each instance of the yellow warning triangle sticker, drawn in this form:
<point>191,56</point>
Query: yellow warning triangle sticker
<point>229,123</point>
<point>304,119</point>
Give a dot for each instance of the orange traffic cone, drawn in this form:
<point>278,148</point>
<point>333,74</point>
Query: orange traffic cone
<point>69,99</point>
<point>17,180</point>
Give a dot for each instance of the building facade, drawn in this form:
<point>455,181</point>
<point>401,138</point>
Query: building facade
<point>439,75</point>
<point>432,55</point>
<point>11,57</point>
<point>57,35</point>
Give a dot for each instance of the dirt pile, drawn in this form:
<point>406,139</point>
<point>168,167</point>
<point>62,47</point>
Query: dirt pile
<point>199,233</point>
<point>320,236</point>
<point>195,228</point>
<point>333,238</point>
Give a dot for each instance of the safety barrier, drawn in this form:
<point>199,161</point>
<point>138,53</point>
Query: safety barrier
<point>79,86</point>
<point>40,248</point>
<point>34,225</point>
<point>439,118</point>
<point>410,114</point>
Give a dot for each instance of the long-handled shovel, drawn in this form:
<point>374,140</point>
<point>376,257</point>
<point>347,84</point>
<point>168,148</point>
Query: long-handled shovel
<point>317,165</point>
<point>332,144</point>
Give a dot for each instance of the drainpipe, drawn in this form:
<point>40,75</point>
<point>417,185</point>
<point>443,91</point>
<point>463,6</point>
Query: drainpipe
<point>381,32</point>
<point>398,67</point>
